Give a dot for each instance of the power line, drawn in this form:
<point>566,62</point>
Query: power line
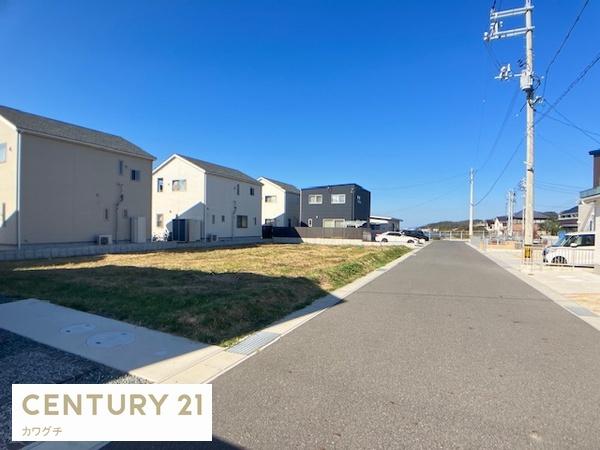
<point>409,186</point>
<point>492,55</point>
<point>446,193</point>
<point>509,110</point>
<point>512,156</point>
<point>562,45</point>
<point>579,188</point>
<point>569,88</point>
<point>566,121</point>
<point>562,150</point>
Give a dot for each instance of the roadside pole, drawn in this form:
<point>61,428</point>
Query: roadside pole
<point>471,204</point>
<point>527,83</point>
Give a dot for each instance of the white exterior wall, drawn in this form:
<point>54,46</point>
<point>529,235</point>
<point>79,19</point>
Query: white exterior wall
<point>8,185</point>
<point>185,205</point>
<point>285,211</point>
<point>274,211</point>
<point>206,195</point>
<point>585,217</point>
<point>223,200</point>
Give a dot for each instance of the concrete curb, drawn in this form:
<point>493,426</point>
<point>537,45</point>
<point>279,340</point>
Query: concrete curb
<point>568,305</point>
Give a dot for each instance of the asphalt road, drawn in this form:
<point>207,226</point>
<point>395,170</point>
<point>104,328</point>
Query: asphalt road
<point>446,350</point>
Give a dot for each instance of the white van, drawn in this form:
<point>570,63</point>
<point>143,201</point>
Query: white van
<point>575,249</point>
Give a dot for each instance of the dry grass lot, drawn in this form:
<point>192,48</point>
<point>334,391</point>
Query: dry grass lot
<point>211,295</point>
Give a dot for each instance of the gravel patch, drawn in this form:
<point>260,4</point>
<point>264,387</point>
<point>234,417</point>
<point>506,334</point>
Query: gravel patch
<point>25,361</point>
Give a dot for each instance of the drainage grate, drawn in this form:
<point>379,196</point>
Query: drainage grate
<point>581,311</point>
<point>253,343</point>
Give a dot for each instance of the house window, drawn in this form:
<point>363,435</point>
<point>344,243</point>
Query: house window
<point>106,215</point>
<point>223,219</point>
<point>315,199</point>
<point>251,191</point>
<point>3,215</point>
<point>2,152</point>
<point>310,222</point>
<point>179,185</point>
<point>213,219</point>
<point>121,167</point>
<point>358,199</point>
<point>338,199</point>
<point>255,221</point>
<point>237,189</point>
<point>270,199</point>
<point>136,175</point>
<point>160,220</point>
<point>242,221</point>
<point>333,223</point>
<point>160,185</point>
<point>125,213</point>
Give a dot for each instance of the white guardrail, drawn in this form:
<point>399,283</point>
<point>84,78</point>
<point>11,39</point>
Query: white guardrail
<point>568,256</point>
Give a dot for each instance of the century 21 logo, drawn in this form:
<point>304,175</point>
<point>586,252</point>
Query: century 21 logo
<point>114,404</point>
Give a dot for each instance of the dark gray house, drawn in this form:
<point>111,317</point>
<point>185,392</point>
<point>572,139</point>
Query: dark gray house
<point>334,205</point>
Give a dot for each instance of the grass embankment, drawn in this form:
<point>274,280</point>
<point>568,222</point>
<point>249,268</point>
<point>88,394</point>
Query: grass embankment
<point>211,295</point>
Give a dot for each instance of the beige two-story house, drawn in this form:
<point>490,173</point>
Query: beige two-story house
<point>63,183</point>
<point>196,200</point>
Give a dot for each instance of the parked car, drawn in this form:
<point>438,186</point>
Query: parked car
<point>574,249</point>
<point>416,234</point>
<point>397,236</point>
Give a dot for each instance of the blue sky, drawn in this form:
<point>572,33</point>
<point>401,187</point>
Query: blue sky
<point>396,96</point>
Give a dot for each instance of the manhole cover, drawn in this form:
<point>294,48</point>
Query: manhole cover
<point>110,339</point>
<point>78,328</point>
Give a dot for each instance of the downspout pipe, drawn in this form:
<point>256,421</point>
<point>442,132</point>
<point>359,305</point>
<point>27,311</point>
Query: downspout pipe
<point>19,238</point>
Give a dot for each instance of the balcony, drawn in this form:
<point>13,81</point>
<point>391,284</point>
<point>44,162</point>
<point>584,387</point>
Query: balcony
<point>590,192</point>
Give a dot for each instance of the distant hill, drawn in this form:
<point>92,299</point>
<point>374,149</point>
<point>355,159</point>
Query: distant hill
<point>458,225</point>
<point>449,225</point>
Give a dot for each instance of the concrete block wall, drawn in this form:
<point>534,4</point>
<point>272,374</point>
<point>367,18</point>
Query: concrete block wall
<point>93,250</point>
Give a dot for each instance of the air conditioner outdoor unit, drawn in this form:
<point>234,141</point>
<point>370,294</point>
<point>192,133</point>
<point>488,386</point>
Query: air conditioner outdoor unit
<point>104,239</point>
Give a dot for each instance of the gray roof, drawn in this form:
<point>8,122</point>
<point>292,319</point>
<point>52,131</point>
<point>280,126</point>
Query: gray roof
<point>37,124</point>
<point>327,186</point>
<point>285,186</point>
<point>572,210</point>
<point>536,215</point>
<point>221,171</point>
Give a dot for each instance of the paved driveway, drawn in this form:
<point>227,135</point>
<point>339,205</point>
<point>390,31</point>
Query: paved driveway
<point>446,350</point>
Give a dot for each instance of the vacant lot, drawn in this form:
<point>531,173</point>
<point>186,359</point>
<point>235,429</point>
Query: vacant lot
<point>212,295</point>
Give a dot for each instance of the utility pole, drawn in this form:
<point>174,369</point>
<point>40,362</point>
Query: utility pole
<point>527,81</point>
<point>471,201</point>
<point>510,212</point>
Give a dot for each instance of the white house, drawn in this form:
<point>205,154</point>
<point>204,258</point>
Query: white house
<point>216,201</point>
<point>280,203</point>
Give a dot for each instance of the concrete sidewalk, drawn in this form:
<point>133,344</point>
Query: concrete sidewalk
<point>575,288</point>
